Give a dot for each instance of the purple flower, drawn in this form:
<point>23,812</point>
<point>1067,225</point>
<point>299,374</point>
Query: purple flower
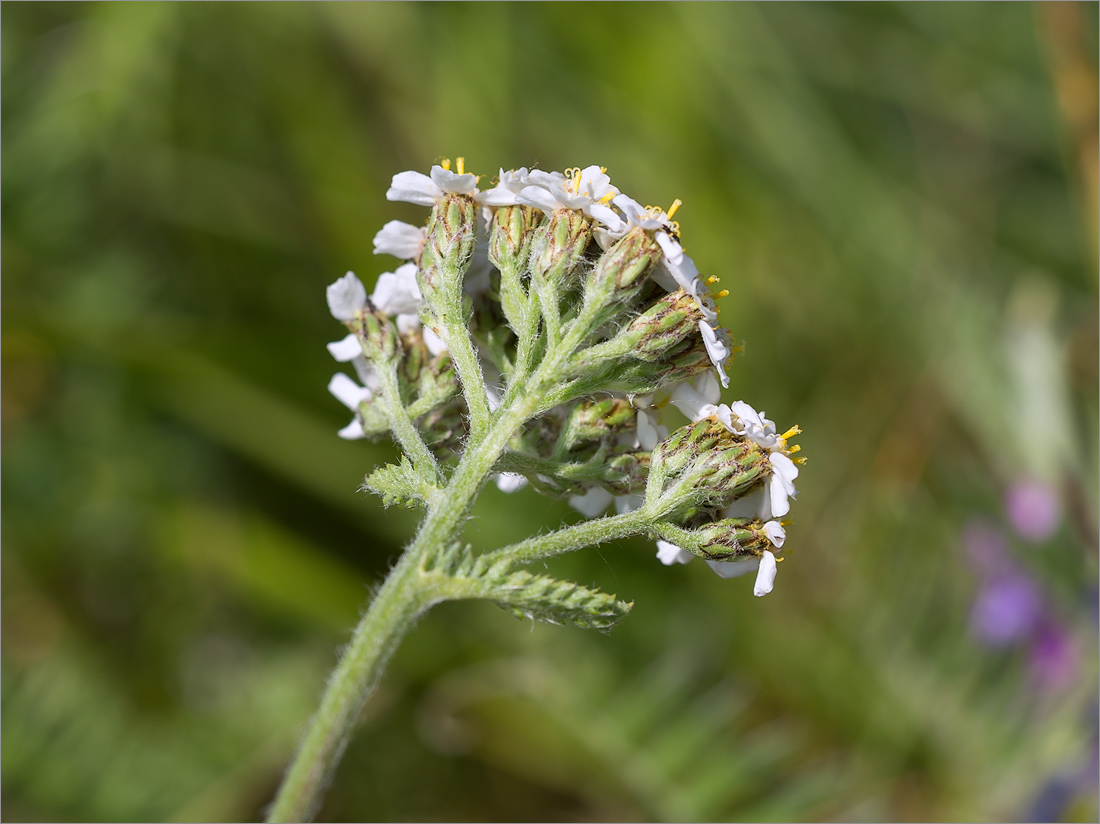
<point>1008,608</point>
<point>1054,659</point>
<point>1033,509</point>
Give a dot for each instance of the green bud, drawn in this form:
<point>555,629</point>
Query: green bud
<point>452,233</point>
<point>559,245</point>
<point>704,464</point>
<point>663,327</point>
<point>378,335</point>
<point>511,236</point>
<point>726,539</point>
<point>594,420</point>
<point>625,265</point>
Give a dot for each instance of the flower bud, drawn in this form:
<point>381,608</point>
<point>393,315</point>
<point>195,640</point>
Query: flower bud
<point>704,464</point>
<point>511,236</point>
<point>625,265</point>
<point>663,327</point>
<point>559,246</point>
<point>594,420</point>
<point>731,538</point>
<point>377,333</point>
<point>452,233</point>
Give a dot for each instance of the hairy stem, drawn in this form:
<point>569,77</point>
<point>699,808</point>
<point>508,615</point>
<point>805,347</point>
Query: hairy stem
<point>402,426</point>
<point>579,536</point>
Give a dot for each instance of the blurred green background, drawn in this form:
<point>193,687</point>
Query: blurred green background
<point>902,200</point>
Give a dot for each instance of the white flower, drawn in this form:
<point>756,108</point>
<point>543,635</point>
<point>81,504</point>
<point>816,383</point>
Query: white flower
<point>424,190</point>
<point>347,297</point>
<point>754,426</point>
<point>697,399</point>
<point>402,240</point>
<point>346,348</point>
<point>717,349</point>
<point>592,503</point>
<point>776,534</point>
<point>509,184</point>
<point>669,554</point>
<point>397,292</point>
<point>509,481</point>
<point>765,567</point>
<point>781,484</point>
<point>586,190</point>
<point>350,394</point>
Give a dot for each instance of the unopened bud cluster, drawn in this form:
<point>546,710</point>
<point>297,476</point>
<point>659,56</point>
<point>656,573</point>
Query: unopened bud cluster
<point>581,303</point>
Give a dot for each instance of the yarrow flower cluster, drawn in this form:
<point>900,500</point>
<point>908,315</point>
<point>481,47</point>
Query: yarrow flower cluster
<point>536,333</point>
<point>542,253</point>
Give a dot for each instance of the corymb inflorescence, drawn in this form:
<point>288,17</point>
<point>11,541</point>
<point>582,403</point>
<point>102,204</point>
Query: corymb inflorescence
<point>536,334</point>
<point>556,307</point>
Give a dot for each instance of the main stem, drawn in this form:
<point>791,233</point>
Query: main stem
<point>404,596</point>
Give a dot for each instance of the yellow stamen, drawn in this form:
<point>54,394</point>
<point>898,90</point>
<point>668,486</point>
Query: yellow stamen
<point>800,460</point>
<point>781,559</point>
<point>610,196</point>
<point>603,170</point>
<point>676,204</point>
<point>793,449</point>
<point>446,163</point>
<point>574,175</point>
<point>714,279</point>
<point>790,433</point>
<point>461,161</point>
<point>724,293</point>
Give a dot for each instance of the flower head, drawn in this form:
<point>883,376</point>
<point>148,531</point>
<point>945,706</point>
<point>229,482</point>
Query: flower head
<point>425,190</point>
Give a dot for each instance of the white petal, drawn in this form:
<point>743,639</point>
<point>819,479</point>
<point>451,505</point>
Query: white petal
<point>592,503</point>
<point>353,431</point>
<point>674,252</point>
<point>725,417</point>
<point>606,215</point>
<point>453,182</point>
<point>400,239</point>
<point>683,271</point>
<point>397,292</point>
<point>669,554</point>
<point>785,469</point>
<point>765,576</point>
<point>367,374</point>
<point>407,323</point>
<point>627,503</point>
<point>733,569</point>
<point>717,350</point>
<point>779,505</point>
<point>434,343</point>
<point>346,349</point>
<point>346,297</point>
<point>647,432</point>
<point>691,397</point>
<point>348,392</point>
<point>509,481</point>
<point>538,197</point>
<point>413,187</point>
<point>497,196</point>
<point>776,533</point>
<point>750,505</point>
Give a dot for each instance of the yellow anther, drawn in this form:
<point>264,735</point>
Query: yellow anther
<point>793,449</point>
<point>714,279</point>
<point>603,170</point>
<point>610,196</point>
<point>790,433</point>
<point>446,163</point>
<point>676,204</point>
<point>574,175</point>
<point>781,559</point>
<point>724,293</point>
<point>461,162</point>
<point>800,460</point>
